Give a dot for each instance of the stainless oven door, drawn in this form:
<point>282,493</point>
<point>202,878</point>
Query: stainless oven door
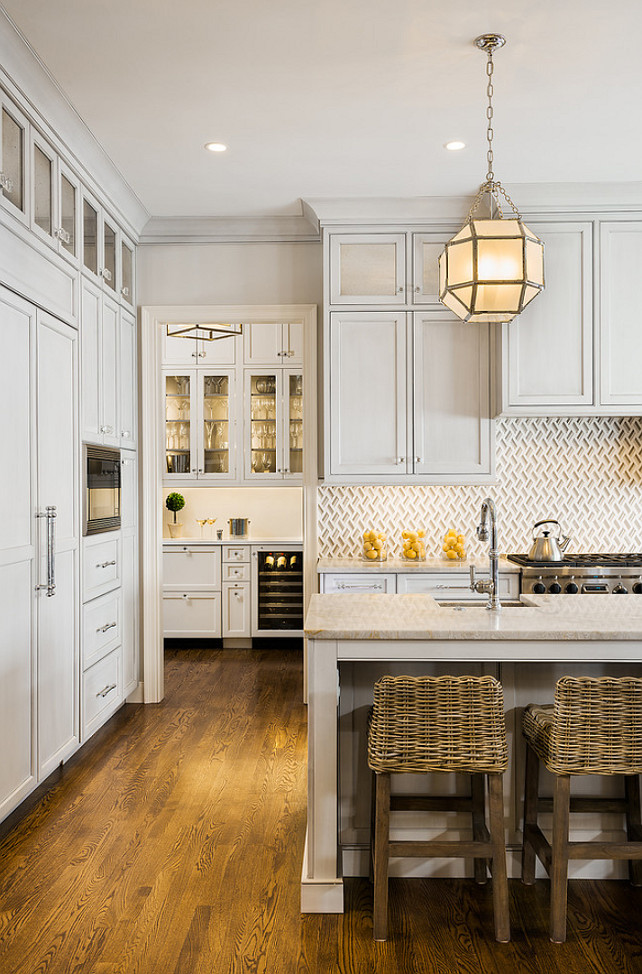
<point>102,489</point>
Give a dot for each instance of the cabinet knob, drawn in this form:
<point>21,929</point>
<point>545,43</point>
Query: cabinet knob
<point>400,289</point>
<point>125,434</point>
<point>61,234</point>
<point>105,273</point>
<point>400,460</point>
<point>419,459</point>
<point>417,288</point>
<point>125,292</point>
<point>5,182</point>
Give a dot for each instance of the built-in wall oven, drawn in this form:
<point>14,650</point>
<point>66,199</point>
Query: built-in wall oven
<point>101,504</point>
<point>277,587</point>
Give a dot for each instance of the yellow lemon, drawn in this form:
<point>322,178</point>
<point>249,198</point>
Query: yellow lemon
<point>421,534</point>
<point>367,545</point>
<point>371,553</point>
<point>451,554</point>
<point>411,554</point>
<point>377,544</point>
<point>461,538</point>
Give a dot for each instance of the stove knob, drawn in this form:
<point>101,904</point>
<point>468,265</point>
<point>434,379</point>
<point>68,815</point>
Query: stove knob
<point>637,588</point>
<point>571,588</point>
<point>539,588</point>
<point>555,588</point>
<point>620,590</point>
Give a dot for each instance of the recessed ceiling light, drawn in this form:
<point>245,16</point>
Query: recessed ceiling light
<point>454,146</point>
<point>216,146</point>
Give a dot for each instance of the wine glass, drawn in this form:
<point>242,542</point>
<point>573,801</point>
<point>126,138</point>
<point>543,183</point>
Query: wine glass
<point>201,521</point>
<point>211,521</point>
<point>209,430</point>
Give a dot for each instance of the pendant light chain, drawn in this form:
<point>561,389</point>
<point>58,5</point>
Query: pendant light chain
<point>490,67</point>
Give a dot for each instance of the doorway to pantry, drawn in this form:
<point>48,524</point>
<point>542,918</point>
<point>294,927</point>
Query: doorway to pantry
<point>230,425</point>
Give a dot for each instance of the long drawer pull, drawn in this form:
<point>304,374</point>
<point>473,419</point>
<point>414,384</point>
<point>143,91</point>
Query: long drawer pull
<point>105,564</point>
<point>451,587</point>
<point>106,690</point>
<point>109,625</point>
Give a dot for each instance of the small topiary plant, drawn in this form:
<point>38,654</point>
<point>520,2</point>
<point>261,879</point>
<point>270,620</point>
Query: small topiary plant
<point>175,502</point>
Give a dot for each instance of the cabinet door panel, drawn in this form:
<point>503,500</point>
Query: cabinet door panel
<point>621,346</point>
<point>127,380</point>
<point>236,610</point>
<point>263,343</point>
<point>13,159</point>
<point>549,348</point>
<point>109,373</point>
<point>368,393</point>
<point>17,332</point>
<point>130,613</point>
<point>426,250</point>
<point>451,396</point>
<point>90,313</point>
<point>368,268</point>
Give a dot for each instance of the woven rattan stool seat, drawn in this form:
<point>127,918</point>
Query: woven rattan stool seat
<point>593,727</point>
<point>421,724</point>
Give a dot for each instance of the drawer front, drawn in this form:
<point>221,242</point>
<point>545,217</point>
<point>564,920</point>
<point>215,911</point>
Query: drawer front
<point>101,566</point>
<point>102,691</point>
<point>352,582</point>
<point>102,627</point>
<point>236,573</point>
<point>191,567</point>
<point>236,553</point>
<point>192,614</point>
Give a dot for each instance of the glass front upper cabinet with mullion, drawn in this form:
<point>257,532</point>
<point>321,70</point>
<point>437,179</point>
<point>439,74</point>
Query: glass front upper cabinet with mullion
<point>179,448</point>
<point>68,230</point>
<point>90,255</point>
<point>293,440</point>
<point>126,270</point>
<point>367,268</point>
<point>13,159</point>
<point>264,417</point>
<point>217,457</point>
<point>108,270</point>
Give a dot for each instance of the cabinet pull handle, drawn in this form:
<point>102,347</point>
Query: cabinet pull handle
<point>419,459</point>
<point>400,460</point>
<point>125,434</point>
<point>417,288</point>
<point>125,292</point>
<point>359,586</point>
<point>106,690</point>
<point>5,182</point>
<point>61,234</point>
<point>185,595</point>
<point>108,625</point>
<point>106,273</point>
<point>400,289</point>
<point>105,564</point>
<point>50,514</point>
<point>449,587</point>
<point>106,429</point>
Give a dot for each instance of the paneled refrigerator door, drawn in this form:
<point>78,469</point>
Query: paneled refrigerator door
<point>17,548</point>
<point>180,420</point>
<point>57,520</point>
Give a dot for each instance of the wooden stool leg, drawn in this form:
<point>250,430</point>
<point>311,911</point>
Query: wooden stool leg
<point>633,823</point>
<point>559,860</point>
<point>478,806</point>
<point>498,840</point>
<point>531,788</point>
<point>382,834</point>
<point>373,807</point>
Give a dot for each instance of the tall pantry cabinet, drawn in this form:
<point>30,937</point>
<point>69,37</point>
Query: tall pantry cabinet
<point>39,546</point>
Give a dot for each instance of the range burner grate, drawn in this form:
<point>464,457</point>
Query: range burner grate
<point>592,560</point>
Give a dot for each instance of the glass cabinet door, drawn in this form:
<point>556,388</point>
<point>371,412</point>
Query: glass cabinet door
<point>12,158</point>
<point>126,272</point>
<point>368,268</point>
<point>109,255</point>
<point>89,236</point>
<point>263,425</point>
<point>217,425</point>
<point>43,172</point>
<point>67,232</point>
<point>294,424</point>
<point>178,426</point>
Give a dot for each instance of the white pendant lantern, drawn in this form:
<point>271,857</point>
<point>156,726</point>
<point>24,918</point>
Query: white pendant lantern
<point>494,266</point>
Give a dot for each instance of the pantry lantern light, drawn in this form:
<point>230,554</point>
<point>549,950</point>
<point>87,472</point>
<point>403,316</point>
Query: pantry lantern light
<point>494,266</point>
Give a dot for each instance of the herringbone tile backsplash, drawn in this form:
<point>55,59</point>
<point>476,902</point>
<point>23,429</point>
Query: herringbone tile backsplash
<point>585,472</point>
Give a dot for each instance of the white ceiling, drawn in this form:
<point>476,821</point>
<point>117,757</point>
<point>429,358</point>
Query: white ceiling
<point>343,98</point>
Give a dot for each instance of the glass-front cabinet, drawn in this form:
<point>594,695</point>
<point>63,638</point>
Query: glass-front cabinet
<point>274,425</point>
<point>13,159</point>
<point>55,194</point>
<point>200,426</point>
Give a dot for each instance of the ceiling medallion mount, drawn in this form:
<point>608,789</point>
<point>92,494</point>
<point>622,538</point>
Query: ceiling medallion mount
<point>494,266</point>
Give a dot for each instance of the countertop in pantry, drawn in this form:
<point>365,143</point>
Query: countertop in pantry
<point>269,542</point>
<point>404,565</point>
<point>407,617</point>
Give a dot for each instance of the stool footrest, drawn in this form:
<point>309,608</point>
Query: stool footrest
<point>438,849</point>
<point>579,804</point>
<point>430,803</point>
<point>605,850</point>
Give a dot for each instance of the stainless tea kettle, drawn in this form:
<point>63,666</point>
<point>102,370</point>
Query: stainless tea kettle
<point>545,547</point>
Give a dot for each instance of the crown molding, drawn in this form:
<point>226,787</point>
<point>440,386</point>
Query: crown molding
<point>28,81</point>
<point>191,229</point>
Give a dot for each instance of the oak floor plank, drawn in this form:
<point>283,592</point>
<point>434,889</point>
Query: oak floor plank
<point>172,844</point>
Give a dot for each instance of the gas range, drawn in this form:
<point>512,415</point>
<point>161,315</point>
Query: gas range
<point>608,574</point>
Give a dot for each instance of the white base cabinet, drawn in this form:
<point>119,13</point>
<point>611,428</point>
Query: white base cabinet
<point>192,613</point>
<point>236,609</point>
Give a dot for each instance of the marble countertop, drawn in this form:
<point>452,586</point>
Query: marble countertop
<point>267,542</point>
<point>541,617</point>
<point>402,565</point>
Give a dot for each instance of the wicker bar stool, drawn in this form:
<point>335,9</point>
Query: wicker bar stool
<point>594,727</point>
<point>431,724</point>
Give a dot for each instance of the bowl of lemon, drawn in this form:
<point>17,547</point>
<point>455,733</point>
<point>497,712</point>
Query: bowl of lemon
<point>454,545</point>
<point>374,546</point>
<point>413,545</point>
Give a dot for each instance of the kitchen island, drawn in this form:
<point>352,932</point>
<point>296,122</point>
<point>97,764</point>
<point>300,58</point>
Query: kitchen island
<point>354,639</point>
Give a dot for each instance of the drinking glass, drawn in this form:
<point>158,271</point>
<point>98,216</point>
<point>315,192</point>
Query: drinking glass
<point>211,521</point>
<point>201,521</point>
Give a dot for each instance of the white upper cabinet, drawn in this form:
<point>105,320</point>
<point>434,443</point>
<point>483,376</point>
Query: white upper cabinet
<point>453,432</point>
<point>14,185</point>
<point>426,248</point>
<point>201,429</point>
<point>192,352</point>
<point>368,393</point>
<point>55,200</point>
<point>547,352</point>
<point>367,268</point>
<point>127,270</point>
<point>274,425</point>
<point>107,254</point>
<point>620,354</point>
<point>127,418</point>
<point>273,343</point>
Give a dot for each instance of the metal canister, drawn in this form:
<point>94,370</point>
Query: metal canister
<point>238,526</point>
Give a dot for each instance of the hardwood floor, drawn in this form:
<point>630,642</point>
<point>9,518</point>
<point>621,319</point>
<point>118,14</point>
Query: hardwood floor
<point>172,844</point>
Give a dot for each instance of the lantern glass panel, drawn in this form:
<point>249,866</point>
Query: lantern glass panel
<point>500,260</point>
<point>497,228</point>
<point>460,263</point>
<point>498,298</point>
<point>534,262</point>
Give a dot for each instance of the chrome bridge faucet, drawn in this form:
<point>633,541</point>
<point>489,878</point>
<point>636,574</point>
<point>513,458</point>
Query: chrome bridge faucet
<point>490,585</point>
